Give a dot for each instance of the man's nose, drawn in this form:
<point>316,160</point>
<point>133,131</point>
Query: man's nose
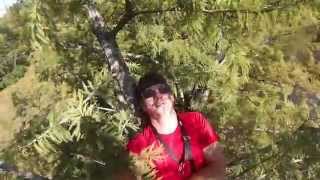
<point>158,95</point>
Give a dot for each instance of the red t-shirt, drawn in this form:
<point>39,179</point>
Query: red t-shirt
<point>201,134</point>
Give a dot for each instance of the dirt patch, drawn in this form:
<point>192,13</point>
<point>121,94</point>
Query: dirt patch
<point>8,122</point>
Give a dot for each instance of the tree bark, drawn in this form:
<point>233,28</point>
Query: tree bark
<point>113,58</point>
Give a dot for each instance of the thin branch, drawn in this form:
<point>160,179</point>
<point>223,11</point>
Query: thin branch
<point>133,56</point>
<point>106,109</point>
<point>266,9</point>
<point>155,11</point>
<point>219,11</point>
<point>258,164</point>
<point>280,155</point>
<point>88,159</point>
<point>128,15</point>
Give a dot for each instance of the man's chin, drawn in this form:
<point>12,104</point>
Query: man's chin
<point>163,110</point>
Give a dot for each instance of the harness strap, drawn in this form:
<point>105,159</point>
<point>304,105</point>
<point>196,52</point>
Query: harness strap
<point>187,153</point>
<point>187,147</point>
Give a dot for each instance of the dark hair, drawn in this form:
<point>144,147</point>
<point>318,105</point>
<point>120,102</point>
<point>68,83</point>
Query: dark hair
<point>148,80</point>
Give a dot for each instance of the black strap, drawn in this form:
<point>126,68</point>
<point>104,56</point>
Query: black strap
<point>187,153</point>
<point>187,146</point>
<point>167,148</point>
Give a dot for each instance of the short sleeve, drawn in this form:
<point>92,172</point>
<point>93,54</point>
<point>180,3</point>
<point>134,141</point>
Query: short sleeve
<point>136,145</point>
<point>140,141</point>
<point>207,134</point>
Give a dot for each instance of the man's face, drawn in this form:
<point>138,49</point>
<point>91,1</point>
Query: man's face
<point>157,100</point>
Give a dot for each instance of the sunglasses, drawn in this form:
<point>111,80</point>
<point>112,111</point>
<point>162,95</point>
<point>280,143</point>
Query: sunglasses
<point>151,92</point>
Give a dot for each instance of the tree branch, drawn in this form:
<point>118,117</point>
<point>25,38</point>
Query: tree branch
<point>219,11</point>
<point>155,11</point>
<point>111,50</point>
<point>257,164</point>
<point>113,58</point>
<point>278,155</point>
<point>266,9</point>
<point>128,15</point>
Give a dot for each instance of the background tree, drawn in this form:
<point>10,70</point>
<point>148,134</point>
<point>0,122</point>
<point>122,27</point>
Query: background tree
<point>251,66</point>
<point>15,45</point>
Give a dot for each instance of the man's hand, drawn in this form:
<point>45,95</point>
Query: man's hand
<point>215,170</point>
<point>214,152</point>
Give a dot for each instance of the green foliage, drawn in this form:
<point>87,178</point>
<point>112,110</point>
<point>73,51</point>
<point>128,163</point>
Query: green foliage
<point>12,77</point>
<point>143,164</point>
<point>58,127</point>
<point>14,45</point>
<point>251,66</point>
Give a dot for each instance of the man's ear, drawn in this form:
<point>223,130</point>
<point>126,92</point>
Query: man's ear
<point>173,99</point>
<point>142,106</point>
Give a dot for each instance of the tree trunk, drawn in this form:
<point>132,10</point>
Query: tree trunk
<point>113,58</point>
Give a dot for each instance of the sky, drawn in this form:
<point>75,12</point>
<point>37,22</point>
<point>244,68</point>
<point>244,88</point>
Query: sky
<point>4,4</point>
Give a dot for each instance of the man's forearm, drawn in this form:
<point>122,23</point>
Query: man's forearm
<point>213,171</point>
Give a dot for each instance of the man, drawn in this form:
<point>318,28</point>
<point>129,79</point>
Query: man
<point>191,149</point>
